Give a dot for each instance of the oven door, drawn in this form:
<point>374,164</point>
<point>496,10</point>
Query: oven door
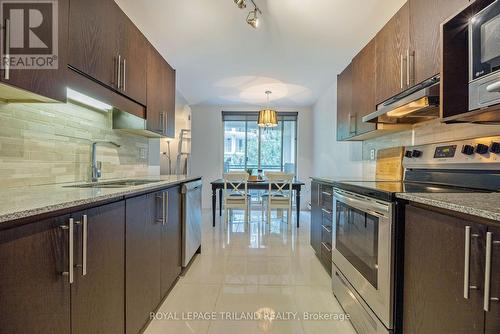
<point>362,249</point>
<point>484,33</point>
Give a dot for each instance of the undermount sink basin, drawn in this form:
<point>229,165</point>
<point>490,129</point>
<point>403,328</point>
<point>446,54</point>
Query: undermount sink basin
<point>113,184</point>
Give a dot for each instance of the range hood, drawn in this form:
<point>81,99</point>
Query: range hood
<point>417,104</point>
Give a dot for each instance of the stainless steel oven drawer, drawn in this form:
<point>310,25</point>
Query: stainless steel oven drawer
<point>362,318</point>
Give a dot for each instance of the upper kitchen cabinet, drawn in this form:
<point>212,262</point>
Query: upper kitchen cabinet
<point>392,54</point>
<point>36,85</point>
<point>426,17</point>
<point>363,84</point>
<point>94,39</point>
<point>106,46</point>
<point>345,129</point>
<point>160,95</point>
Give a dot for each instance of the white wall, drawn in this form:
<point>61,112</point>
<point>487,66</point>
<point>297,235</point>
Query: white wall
<point>207,146</point>
<point>333,159</point>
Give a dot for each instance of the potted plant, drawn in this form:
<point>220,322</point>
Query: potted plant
<point>251,177</point>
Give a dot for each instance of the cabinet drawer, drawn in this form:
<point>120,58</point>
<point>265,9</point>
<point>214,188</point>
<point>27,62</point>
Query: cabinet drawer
<point>326,217</point>
<point>326,256</point>
<point>326,234</point>
<point>327,197</point>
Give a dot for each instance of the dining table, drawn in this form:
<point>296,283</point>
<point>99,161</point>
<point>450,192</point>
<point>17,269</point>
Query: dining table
<point>218,186</point>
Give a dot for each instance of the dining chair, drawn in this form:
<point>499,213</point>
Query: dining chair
<point>279,194</point>
<point>236,194</point>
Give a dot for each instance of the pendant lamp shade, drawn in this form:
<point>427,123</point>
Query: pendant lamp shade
<point>268,118</point>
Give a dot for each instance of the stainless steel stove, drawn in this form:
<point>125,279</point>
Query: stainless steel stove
<point>367,232</point>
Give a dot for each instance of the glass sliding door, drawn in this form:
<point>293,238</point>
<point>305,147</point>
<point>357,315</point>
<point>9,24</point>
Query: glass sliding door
<point>246,146</point>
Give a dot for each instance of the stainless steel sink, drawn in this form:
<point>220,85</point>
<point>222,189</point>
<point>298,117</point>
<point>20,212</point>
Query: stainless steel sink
<point>113,184</point>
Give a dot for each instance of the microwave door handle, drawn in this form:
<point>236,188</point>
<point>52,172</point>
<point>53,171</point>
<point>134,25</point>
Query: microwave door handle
<point>494,87</point>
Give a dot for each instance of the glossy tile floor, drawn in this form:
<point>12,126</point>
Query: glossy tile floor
<point>252,278</point>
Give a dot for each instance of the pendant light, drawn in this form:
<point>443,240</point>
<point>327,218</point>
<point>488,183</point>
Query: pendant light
<point>268,118</point>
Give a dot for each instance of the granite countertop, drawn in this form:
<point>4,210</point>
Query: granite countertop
<point>483,205</point>
<point>23,202</point>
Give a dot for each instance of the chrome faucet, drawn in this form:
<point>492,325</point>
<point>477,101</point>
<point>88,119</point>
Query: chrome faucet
<point>97,165</point>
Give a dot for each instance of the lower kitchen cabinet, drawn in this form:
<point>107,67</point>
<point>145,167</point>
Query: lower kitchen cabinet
<point>153,253</point>
<point>34,295</point>
<point>436,299</point>
<point>143,248</point>
<point>315,217</point>
<point>171,241</point>
<point>321,223</point>
<point>97,297</point>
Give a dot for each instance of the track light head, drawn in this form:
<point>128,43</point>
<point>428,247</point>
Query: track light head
<point>240,3</point>
<point>253,19</point>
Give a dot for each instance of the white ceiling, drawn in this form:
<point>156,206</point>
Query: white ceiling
<point>299,48</point>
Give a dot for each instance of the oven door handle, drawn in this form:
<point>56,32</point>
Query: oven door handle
<point>373,208</point>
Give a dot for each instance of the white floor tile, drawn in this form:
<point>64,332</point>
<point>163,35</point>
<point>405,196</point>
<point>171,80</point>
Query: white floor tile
<point>252,269</point>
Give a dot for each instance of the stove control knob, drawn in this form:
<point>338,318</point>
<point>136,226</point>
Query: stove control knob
<point>416,154</point>
<point>482,149</point>
<point>409,154</point>
<point>495,148</point>
<point>468,149</point>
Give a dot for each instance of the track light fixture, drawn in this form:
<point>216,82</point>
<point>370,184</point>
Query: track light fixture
<point>241,4</point>
<point>253,19</point>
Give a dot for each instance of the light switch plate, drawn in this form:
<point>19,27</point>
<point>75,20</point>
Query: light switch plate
<point>372,154</point>
<point>143,153</point>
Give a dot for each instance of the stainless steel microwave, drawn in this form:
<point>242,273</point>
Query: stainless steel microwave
<point>484,57</point>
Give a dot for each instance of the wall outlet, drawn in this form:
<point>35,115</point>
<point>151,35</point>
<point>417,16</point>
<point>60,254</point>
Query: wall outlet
<point>372,154</point>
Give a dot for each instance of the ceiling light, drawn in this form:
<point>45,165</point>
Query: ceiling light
<point>268,118</point>
<point>240,3</point>
<point>78,97</point>
<point>252,18</point>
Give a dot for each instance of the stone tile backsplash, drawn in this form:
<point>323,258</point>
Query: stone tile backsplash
<point>51,143</point>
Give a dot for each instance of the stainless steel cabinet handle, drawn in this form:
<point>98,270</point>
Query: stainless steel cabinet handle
<point>164,124</point>
<point>467,262</point>
<point>85,245</point>
<point>407,67</point>
<point>326,246</point>
<point>119,81</point>
<point>351,130</point>
<point>326,193</point>
<point>487,272</point>
<point>70,227</point>
<point>402,71</point>
<point>166,208</point>
<point>411,66</point>
<point>326,211</point>
<point>124,80</point>
<point>326,229</point>
<point>161,198</point>
<point>7,50</point>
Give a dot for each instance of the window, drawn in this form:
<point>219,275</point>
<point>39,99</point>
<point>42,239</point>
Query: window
<point>272,149</point>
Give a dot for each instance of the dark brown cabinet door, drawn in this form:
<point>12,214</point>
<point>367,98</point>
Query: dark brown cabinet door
<point>316,217</point>
<point>426,17</point>
<point>98,298</point>
<point>50,83</point>
<point>169,85</point>
<point>434,266</point>
<point>345,127</point>
<point>160,95</point>
<point>94,39</point>
<point>171,241</point>
<point>492,323</point>
<point>133,48</point>
<point>392,46</point>
<point>363,86</point>
<point>34,295</point>
<point>143,249</point>
<point>155,96</point>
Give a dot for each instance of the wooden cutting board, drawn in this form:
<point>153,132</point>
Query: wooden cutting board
<point>390,164</point>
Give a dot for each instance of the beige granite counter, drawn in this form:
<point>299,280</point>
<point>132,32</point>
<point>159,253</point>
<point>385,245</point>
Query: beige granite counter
<point>485,205</point>
<point>23,202</point>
